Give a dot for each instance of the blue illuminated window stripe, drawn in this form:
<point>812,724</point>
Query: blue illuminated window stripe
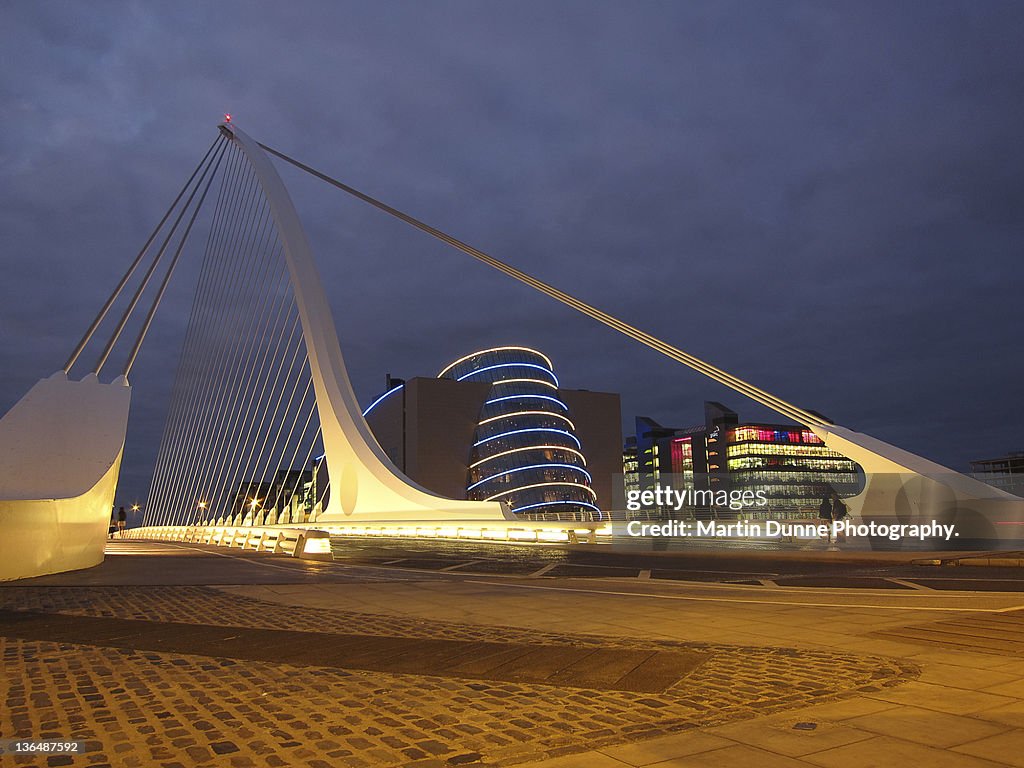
<point>509,365</point>
<point>532,429</point>
<point>380,399</point>
<point>535,397</point>
<point>531,466</point>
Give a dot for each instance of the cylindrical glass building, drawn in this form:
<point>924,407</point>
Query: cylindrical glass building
<point>525,449</point>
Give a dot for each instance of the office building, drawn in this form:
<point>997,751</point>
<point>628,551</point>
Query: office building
<point>1005,472</point>
<point>788,464</point>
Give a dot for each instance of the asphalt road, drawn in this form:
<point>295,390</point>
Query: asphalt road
<point>771,568</point>
<point>377,559</point>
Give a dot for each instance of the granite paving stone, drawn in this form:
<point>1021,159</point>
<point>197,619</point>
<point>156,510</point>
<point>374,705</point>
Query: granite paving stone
<point>146,706</point>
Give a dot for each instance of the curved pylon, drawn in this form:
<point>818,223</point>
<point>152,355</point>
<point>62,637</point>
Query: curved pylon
<point>365,485</point>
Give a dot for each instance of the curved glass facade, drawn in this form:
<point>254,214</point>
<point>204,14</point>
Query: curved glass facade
<point>525,449</point>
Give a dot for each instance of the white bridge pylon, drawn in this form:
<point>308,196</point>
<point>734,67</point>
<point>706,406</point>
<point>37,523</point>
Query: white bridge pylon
<point>365,485</point>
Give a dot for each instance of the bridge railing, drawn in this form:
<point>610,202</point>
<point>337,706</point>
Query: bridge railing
<point>314,543</point>
<point>294,542</point>
<point>493,531</point>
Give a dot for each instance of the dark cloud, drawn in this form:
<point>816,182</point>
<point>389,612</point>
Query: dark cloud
<point>820,197</point>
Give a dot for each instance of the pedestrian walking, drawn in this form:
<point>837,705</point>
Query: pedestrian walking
<point>839,512</point>
<point>825,514</point>
<point>122,520</point>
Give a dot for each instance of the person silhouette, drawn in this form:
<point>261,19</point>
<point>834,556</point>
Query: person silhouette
<point>825,514</point>
<point>839,511</point>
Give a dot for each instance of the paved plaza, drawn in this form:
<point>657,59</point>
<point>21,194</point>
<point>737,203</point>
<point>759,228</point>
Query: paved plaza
<point>173,655</point>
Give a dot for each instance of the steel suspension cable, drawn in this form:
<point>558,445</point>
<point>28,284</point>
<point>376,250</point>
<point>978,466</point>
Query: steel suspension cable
<point>224,314</point>
<point>208,355</point>
<point>287,408</point>
<point>228,355</point>
<point>242,429</point>
<point>281,447</point>
<point>245,389</point>
<point>181,409</point>
<point>309,454</point>
<point>196,352</point>
<point>134,265</point>
<point>167,276</point>
<point>284,446</point>
<point>765,398</point>
<point>147,277</point>
<point>247,340</point>
<point>179,390</point>
<point>248,467</point>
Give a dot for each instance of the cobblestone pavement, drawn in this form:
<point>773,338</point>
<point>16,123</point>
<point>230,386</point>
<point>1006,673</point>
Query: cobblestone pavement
<point>140,708</point>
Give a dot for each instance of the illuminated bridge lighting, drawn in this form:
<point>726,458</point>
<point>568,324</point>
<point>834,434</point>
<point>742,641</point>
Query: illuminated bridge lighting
<point>529,467</point>
<point>536,467</point>
<point>382,398</point>
<point>581,457</point>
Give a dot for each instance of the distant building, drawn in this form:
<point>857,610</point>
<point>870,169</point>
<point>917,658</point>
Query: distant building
<point>630,466</point>
<point>1006,472</point>
<point>294,496</point>
<point>495,425</point>
<point>788,463</point>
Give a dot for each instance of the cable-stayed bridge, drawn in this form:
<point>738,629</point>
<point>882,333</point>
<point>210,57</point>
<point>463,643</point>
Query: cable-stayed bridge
<point>264,436</point>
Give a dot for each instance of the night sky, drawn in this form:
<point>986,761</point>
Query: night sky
<point>822,198</point>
